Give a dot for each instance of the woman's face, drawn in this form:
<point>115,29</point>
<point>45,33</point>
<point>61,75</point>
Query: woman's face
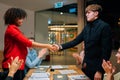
<point>118,56</point>
<point>19,22</point>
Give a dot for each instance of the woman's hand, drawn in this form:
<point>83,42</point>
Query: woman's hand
<point>15,65</point>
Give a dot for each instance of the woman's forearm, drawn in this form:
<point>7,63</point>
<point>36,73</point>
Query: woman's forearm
<point>40,45</point>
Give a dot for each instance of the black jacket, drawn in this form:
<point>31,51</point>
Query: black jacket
<point>98,44</point>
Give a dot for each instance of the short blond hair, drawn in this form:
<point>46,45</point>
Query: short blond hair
<point>93,7</point>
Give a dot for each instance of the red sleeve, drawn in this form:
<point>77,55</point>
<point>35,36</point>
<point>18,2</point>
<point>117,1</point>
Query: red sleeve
<point>15,33</point>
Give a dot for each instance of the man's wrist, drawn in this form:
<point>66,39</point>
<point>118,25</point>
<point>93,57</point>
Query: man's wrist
<point>60,47</point>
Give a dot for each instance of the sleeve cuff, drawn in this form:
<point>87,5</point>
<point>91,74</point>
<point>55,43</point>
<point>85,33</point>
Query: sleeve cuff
<point>60,47</point>
<point>9,78</point>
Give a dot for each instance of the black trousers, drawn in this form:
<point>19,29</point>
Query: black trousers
<point>19,75</point>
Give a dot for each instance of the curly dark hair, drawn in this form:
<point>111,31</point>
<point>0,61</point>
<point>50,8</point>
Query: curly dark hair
<point>12,14</point>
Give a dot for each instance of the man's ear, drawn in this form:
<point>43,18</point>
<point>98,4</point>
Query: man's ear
<point>96,13</point>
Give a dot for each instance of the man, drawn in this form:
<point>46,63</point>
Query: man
<point>97,39</point>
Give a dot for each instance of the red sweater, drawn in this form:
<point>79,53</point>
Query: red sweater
<point>15,44</point>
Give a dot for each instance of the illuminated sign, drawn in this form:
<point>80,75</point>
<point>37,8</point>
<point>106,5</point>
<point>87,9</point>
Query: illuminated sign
<point>72,10</point>
<point>58,4</point>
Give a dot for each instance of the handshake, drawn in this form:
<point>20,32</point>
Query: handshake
<point>55,47</point>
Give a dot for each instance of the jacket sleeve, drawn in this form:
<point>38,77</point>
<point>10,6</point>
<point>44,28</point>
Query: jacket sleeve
<point>16,34</point>
<point>74,42</point>
<point>3,75</point>
<point>33,63</point>
<point>9,78</point>
<point>106,43</point>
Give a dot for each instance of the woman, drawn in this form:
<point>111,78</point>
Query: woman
<point>15,43</point>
